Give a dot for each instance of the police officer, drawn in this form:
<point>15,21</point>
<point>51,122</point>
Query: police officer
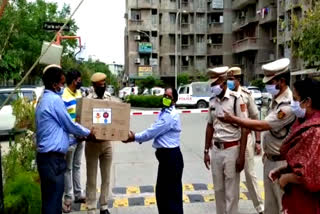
<point>234,84</point>
<point>99,151</point>
<point>275,126</point>
<point>227,141</point>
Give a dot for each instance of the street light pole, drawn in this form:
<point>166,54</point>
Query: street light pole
<point>176,47</point>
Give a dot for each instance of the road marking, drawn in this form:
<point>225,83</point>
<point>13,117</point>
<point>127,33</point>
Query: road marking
<point>188,187</point>
<point>150,200</point>
<point>133,190</point>
<point>123,202</point>
<point>209,198</point>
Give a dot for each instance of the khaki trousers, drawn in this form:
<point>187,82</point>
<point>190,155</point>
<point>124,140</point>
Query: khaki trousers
<point>251,177</point>
<point>273,192</point>
<point>98,152</point>
<point>225,179</point>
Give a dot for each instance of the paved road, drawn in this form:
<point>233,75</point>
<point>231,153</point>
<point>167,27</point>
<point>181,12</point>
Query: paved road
<point>135,168</point>
<point>134,173</point>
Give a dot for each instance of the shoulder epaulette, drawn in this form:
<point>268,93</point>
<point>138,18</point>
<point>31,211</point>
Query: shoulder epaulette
<point>246,91</point>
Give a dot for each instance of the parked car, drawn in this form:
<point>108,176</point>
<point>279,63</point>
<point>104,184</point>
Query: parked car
<point>110,89</point>
<point>257,95</point>
<point>154,91</point>
<point>196,94</point>
<point>7,119</point>
<point>128,91</point>
<point>266,97</point>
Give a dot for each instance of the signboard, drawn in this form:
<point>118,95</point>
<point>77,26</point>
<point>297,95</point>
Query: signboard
<point>144,71</point>
<point>217,4</point>
<point>102,116</point>
<point>55,26</point>
<point>145,47</point>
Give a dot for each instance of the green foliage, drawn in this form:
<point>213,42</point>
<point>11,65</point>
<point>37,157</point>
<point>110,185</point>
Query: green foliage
<point>145,101</point>
<point>22,194</point>
<point>149,82</point>
<point>24,111</point>
<point>26,19</point>
<point>306,35</point>
<point>183,79</point>
<point>258,83</point>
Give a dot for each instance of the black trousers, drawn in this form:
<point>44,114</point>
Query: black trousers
<point>51,167</point>
<point>169,184</point>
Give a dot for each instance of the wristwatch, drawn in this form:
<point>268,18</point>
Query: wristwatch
<point>206,151</point>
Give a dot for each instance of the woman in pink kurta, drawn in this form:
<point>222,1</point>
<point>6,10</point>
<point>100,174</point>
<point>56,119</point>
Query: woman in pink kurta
<point>301,178</point>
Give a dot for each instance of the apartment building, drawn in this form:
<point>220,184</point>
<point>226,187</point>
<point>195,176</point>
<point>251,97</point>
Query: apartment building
<point>187,35</point>
<point>196,34</point>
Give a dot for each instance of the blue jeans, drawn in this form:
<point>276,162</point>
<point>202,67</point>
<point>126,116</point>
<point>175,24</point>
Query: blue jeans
<point>51,167</point>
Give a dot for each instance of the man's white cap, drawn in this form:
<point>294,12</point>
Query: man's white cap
<point>50,66</point>
<point>273,69</point>
<point>215,73</point>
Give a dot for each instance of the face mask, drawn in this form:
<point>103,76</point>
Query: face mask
<point>216,90</point>
<point>79,85</point>
<point>166,102</point>
<point>60,92</point>
<point>231,85</point>
<point>272,90</point>
<point>297,110</point>
<point>100,91</point>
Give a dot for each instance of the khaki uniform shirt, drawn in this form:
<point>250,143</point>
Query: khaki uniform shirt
<point>279,117</point>
<point>250,106</point>
<point>225,132</point>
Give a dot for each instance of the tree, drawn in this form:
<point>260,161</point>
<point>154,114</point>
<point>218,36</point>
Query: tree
<point>183,79</point>
<point>148,83</point>
<point>306,36</point>
<point>21,35</point>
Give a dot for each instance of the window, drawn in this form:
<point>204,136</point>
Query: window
<point>185,40</point>
<point>154,33</point>
<point>185,19</point>
<point>172,18</point>
<point>172,0</point>
<point>135,15</point>
<point>200,38</point>
<point>145,59</point>
<point>154,12</point>
<point>172,39</point>
<point>172,60</point>
<point>30,95</point>
<point>184,90</point>
<point>160,18</point>
<point>216,38</point>
<point>5,95</point>
<point>160,41</point>
<point>185,60</point>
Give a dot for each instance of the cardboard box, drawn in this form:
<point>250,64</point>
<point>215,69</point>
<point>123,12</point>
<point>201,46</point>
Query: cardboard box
<point>111,120</point>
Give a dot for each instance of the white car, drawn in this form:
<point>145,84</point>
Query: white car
<point>126,91</point>
<point>196,94</point>
<point>157,91</point>
<point>7,119</point>
<point>257,95</point>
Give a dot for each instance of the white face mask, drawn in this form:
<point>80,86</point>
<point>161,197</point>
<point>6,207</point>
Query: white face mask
<point>272,90</point>
<point>297,110</point>
<point>216,90</point>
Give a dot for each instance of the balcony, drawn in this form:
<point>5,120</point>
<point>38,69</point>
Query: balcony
<point>186,28</point>
<point>240,23</point>
<point>270,17</point>
<point>239,4</point>
<point>246,44</point>
<point>147,4</point>
<point>288,35</point>
<point>187,49</point>
<point>186,6</point>
<point>215,28</point>
<point>215,49</point>
<point>201,49</point>
<point>281,7</point>
<point>141,25</point>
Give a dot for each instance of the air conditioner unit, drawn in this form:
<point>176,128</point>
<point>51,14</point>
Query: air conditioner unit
<point>137,37</point>
<point>209,41</point>
<point>137,61</point>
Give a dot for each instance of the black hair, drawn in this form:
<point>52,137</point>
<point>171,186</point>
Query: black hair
<point>286,76</point>
<point>51,76</point>
<point>309,88</point>
<point>72,75</point>
<point>174,93</point>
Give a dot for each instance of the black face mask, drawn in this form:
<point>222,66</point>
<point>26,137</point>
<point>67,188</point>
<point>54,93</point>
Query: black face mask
<point>79,85</point>
<point>100,91</point>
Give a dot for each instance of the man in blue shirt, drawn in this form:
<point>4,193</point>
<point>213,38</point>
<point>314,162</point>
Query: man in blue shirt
<point>166,134</point>
<point>54,125</point>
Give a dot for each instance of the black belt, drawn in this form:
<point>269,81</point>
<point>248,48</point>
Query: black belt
<point>274,157</point>
<point>53,154</point>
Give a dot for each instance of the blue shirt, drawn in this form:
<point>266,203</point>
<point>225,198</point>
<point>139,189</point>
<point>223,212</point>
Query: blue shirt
<point>54,124</point>
<point>165,131</point>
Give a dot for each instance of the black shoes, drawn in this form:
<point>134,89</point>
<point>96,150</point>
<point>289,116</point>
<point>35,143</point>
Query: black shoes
<point>104,211</point>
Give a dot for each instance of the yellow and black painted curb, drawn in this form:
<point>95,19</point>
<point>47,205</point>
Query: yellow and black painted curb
<point>144,195</point>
